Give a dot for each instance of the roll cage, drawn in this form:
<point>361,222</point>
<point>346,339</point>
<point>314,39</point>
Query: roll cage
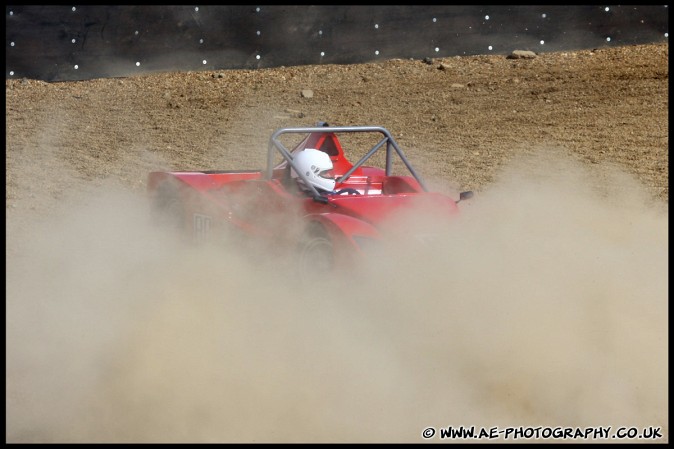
<point>314,134</point>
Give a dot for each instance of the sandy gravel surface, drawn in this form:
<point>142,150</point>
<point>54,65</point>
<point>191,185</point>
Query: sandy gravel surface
<point>545,306</point>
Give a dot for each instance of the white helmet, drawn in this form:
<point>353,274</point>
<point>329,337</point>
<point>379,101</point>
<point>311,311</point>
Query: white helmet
<point>317,167</point>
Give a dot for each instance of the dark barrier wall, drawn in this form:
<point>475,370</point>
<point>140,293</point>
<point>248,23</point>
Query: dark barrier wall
<point>58,43</point>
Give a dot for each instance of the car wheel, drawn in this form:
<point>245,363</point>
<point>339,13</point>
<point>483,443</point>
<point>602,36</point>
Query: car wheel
<point>316,257</point>
<point>167,210</point>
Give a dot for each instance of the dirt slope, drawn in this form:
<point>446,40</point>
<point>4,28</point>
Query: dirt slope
<point>460,119</point>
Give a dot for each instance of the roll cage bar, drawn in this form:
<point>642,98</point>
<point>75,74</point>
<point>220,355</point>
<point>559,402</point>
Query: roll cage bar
<point>388,140</point>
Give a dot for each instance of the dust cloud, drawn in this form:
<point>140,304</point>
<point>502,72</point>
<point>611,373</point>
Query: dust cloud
<point>544,305</point>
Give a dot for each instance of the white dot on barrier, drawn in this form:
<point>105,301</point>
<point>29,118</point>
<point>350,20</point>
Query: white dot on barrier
<point>136,32</point>
<point>489,48</point>
<point>666,34</point>
<point>76,67</point>
<point>486,17</point>
<point>437,49</point>
<point>608,39</point>
<point>201,41</point>
<point>607,9</point>
<point>258,32</point>
<point>257,9</point>
<point>320,32</point>
<point>74,9</point>
<point>376,52</point>
<point>11,73</point>
<point>204,62</point>
<point>196,8</point>
<point>542,42</point>
<point>322,54</point>
<point>434,20</point>
<point>73,41</point>
<point>11,44</point>
<point>257,57</point>
<point>544,15</point>
<point>376,26</point>
<point>11,13</point>
<point>137,64</point>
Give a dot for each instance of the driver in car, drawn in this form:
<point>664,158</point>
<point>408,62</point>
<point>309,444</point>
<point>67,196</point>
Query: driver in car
<point>318,169</point>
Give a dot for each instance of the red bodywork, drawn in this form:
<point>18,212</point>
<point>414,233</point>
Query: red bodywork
<point>266,209</point>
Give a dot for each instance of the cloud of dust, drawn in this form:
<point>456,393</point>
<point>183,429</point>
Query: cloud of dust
<point>544,305</point>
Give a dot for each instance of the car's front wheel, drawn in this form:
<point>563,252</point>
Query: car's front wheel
<point>316,256</point>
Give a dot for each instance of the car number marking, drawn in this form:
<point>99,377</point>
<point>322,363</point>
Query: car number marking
<point>201,226</point>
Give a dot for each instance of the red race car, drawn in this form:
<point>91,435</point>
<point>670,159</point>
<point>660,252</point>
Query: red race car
<point>311,205</point>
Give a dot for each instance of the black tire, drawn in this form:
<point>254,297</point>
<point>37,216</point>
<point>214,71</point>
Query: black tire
<point>167,209</point>
<point>316,258</point>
